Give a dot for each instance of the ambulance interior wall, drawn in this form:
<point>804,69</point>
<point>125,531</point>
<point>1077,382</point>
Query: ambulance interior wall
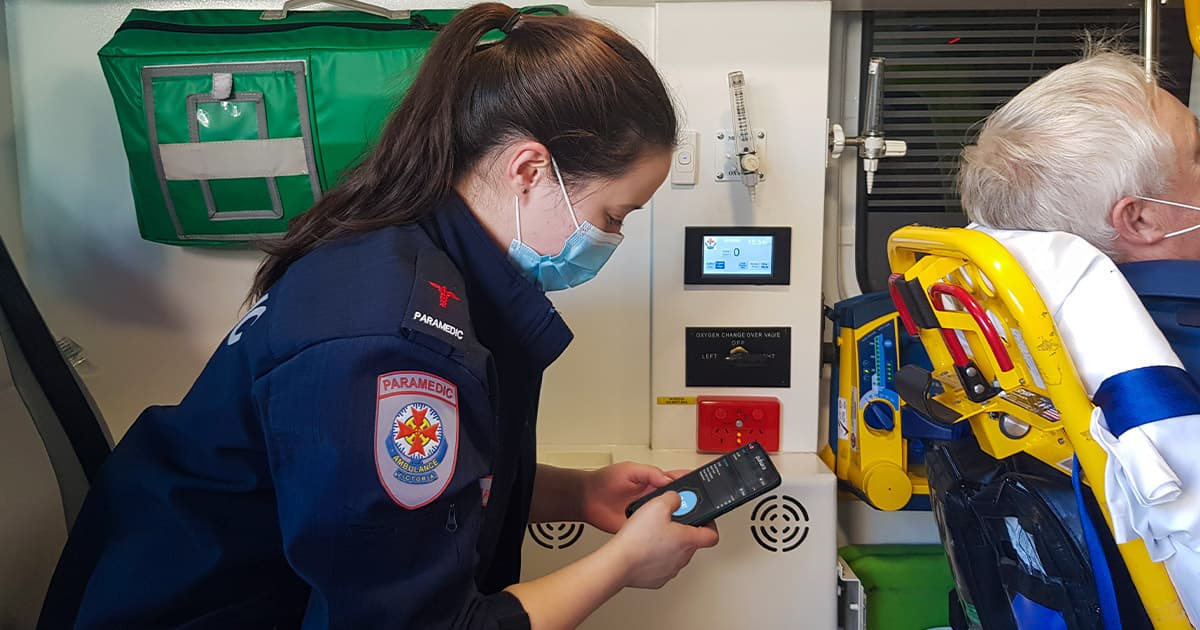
<point>783,50</point>
<point>148,316</point>
<point>32,528</point>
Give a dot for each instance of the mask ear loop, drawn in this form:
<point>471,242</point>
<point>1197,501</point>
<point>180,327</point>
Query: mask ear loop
<point>1177,205</point>
<point>1183,231</point>
<point>563,188</point>
<point>1169,203</point>
<point>517,208</point>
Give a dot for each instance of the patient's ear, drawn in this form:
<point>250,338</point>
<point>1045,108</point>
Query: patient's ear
<point>1137,222</point>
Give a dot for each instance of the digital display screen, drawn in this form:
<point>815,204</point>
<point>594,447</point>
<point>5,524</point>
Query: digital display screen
<point>728,255</point>
<point>746,473</point>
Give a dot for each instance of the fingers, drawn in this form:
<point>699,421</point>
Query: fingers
<point>670,500</point>
<point>700,537</point>
<point>695,537</point>
<point>661,478</point>
<point>648,475</point>
<point>676,474</point>
<point>704,537</point>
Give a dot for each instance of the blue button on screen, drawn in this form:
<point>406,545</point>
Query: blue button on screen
<point>687,502</point>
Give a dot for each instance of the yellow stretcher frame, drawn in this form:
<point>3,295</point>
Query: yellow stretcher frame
<point>1191,12</point>
<point>978,263</point>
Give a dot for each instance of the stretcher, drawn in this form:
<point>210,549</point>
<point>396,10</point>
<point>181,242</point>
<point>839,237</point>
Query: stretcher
<point>1000,366</point>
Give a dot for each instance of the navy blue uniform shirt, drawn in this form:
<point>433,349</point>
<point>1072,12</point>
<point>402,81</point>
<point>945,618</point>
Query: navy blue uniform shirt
<point>358,453</point>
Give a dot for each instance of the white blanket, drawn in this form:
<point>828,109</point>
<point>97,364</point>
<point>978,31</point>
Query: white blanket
<point>1152,478</point>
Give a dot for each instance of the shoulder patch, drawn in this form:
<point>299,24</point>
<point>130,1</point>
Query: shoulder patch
<point>438,305</point>
<point>416,436</point>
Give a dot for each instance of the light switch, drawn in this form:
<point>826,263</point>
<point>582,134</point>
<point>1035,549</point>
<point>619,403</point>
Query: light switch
<point>683,162</point>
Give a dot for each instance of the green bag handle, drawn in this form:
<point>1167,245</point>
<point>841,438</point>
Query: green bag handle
<point>354,5</point>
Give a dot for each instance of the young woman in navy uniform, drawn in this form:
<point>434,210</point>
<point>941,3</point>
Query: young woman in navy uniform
<point>360,450</point>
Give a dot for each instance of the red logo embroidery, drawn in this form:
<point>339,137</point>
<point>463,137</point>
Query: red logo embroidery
<point>444,295</point>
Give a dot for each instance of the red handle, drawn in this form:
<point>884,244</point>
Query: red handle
<point>985,325</point>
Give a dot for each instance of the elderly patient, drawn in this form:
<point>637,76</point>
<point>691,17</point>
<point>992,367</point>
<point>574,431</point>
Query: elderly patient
<point>1090,166</point>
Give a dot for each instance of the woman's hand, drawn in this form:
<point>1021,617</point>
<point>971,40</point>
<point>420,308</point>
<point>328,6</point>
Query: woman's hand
<point>652,548</point>
<point>648,551</point>
<point>608,491</point>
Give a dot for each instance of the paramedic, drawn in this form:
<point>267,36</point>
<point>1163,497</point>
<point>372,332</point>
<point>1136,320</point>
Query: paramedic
<point>359,451</point>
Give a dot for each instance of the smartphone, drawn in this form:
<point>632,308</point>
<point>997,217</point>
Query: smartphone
<point>719,486</point>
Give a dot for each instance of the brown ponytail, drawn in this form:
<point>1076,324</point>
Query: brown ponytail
<point>585,92</point>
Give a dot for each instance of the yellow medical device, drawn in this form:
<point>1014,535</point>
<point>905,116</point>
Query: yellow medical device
<point>871,453</point>
<point>1000,365</point>
<point>870,434</point>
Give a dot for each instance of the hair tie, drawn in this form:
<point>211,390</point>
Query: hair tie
<point>512,22</point>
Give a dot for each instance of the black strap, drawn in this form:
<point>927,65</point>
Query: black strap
<point>917,301</point>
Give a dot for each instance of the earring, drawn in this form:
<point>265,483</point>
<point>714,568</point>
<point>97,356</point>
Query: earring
<point>524,191</point>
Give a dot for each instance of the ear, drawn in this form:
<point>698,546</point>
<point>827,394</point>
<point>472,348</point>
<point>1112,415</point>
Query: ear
<point>1137,222</point>
<point>528,165</point>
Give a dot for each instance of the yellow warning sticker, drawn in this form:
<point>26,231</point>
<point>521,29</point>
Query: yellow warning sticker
<point>676,400</point>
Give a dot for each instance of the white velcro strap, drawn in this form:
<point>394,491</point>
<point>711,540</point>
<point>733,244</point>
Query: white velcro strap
<point>236,159</point>
<point>222,85</point>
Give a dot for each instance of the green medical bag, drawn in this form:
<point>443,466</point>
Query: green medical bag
<point>236,121</point>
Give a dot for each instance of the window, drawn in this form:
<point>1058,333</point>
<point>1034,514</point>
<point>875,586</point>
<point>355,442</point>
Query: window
<point>945,72</point>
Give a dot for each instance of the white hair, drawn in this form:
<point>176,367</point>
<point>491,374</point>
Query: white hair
<point>1060,154</point>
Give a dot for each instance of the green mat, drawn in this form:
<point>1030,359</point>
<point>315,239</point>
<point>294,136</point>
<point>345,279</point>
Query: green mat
<point>907,586</point>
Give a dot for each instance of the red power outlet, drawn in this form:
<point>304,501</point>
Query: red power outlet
<point>727,423</point>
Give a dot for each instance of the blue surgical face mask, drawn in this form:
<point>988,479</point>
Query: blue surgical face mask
<point>1177,205</point>
<point>582,256</point>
